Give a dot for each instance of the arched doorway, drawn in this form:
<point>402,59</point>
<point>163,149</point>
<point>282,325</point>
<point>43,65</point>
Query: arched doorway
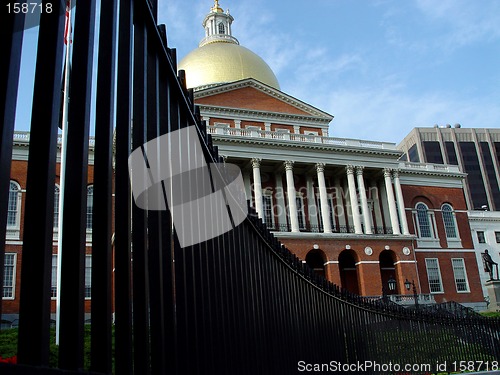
<point>387,260</point>
<point>348,271</point>
<point>316,260</point>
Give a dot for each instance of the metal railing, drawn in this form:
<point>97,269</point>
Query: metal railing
<point>240,303</point>
<point>317,228</point>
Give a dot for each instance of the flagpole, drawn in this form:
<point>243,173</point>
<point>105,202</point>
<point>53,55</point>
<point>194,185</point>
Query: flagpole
<point>62,163</point>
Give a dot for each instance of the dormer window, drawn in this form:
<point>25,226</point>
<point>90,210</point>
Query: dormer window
<point>222,29</point>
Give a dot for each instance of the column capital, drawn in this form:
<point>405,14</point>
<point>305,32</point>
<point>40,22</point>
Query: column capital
<point>359,170</point>
<point>256,162</point>
<point>349,169</point>
<point>387,172</point>
<point>320,167</point>
<point>288,165</point>
<point>395,173</point>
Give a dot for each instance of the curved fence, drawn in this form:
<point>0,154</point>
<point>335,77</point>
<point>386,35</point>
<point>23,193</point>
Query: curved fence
<point>238,303</point>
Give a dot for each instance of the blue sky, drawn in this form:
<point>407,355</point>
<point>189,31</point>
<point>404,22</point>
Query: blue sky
<point>381,67</point>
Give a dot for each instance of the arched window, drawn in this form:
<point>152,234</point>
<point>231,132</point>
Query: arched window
<point>424,223</point>
<point>449,221</point>
<point>222,29</point>
<point>13,205</point>
<point>90,205</point>
<point>315,260</point>
<point>56,206</point>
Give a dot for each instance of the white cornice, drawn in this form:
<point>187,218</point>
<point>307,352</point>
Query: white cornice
<point>250,82</point>
<point>274,143</point>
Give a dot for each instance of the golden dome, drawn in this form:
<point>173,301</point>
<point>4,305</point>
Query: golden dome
<point>220,62</point>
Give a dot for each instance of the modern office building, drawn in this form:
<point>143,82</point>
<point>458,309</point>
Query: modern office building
<point>475,151</point>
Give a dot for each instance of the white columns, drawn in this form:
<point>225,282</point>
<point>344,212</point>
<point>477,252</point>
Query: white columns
<point>354,199</point>
<point>257,187</point>
<point>364,201</point>
<point>392,204</point>
<point>323,196</point>
<point>401,203</point>
<point>290,188</point>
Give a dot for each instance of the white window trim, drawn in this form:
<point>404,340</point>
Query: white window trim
<point>14,231</point>
<point>88,256</point>
<point>54,257</point>
<point>267,193</point>
<point>484,235</point>
<point>55,232</point>
<point>465,273</point>
<point>302,211</point>
<point>453,242</point>
<point>13,279</point>
<point>426,242</point>
<point>440,276</point>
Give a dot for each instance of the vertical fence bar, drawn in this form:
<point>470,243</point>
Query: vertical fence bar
<point>165,260</point>
<point>11,27</point>
<point>122,251</point>
<point>101,354</point>
<point>141,316</point>
<point>75,194</point>
<point>34,317</point>
<point>157,328</point>
<point>169,122</point>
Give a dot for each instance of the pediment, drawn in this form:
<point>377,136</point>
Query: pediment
<point>250,94</point>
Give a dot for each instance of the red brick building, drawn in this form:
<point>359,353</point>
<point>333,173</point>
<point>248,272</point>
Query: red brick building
<point>14,237</point>
<point>350,208</point>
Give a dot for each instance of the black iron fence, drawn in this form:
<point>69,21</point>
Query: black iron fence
<point>239,303</point>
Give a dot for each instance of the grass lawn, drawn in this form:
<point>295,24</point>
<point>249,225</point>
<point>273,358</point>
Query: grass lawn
<point>8,345</point>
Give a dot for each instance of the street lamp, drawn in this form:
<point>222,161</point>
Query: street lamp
<point>391,285</point>
<point>415,296</point>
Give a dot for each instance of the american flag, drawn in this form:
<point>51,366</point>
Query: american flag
<point>67,26</point>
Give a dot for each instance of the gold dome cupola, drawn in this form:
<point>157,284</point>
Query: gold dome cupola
<point>217,25</point>
<point>220,58</point>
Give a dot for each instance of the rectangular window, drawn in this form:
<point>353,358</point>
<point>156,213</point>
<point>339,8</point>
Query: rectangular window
<point>434,275</point>
<point>433,152</point>
<point>450,151</point>
<point>490,173</point>
<point>88,276</point>
<point>480,237</point>
<point>53,283</point>
<point>12,207</point>
<point>330,210</point>
<point>300,212</point>
<point>267,201</point>
<point>460,274</point>
<point>474,175</point>
<point>413,154</point>
<point>497,237</point>
<point>9,276</point>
